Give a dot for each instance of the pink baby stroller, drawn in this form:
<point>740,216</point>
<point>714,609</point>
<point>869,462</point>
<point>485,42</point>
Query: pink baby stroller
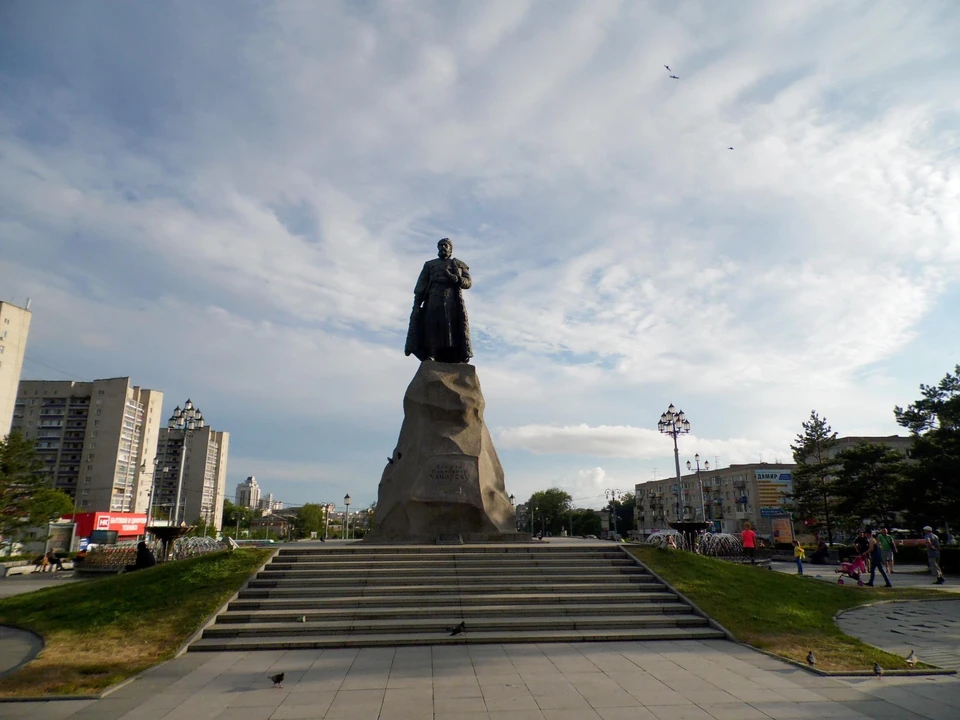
<point>852,569</point>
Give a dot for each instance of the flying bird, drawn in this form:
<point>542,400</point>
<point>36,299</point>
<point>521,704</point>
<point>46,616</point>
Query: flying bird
<point>461,628</point>
<point>674,77</point>
<point>277,679</point>
<point>668,68</point>
<point>877,670</point>
<point>730,148</point>
<point>811,660</point>
<point>911,658</point>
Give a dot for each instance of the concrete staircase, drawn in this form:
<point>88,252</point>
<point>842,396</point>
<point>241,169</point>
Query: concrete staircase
<point>366,596</point>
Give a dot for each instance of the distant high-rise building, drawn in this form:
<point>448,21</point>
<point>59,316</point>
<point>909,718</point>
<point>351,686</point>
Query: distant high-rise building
<point>98,436</point>
<point>268,504</point>
<point>248,493</point>
<point>191,469</point>
<point>14,327</point>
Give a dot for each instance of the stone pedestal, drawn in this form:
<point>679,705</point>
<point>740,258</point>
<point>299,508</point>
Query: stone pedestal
<point>444,478</point>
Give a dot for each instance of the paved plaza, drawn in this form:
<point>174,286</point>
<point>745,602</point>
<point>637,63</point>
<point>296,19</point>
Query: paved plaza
<point>930,628</point>
<point>686,680</point>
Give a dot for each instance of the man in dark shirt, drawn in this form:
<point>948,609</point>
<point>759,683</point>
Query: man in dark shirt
<point>862,544</point>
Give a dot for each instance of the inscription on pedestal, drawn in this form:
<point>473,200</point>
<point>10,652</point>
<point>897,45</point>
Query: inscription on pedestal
<point>450,478</point>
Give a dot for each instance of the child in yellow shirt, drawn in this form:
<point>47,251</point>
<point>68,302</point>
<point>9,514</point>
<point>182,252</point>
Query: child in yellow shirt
<point>799,555</point>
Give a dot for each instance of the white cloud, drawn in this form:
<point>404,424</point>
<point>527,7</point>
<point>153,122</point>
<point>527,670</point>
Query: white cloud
<point>606,441</point>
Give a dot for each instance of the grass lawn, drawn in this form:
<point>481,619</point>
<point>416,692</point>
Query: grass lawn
<point>100,632</point>
<point>783,614</point>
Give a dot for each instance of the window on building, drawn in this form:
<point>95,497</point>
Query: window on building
<point>84,503</point>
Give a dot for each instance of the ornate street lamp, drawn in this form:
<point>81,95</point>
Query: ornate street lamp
<point>706,466</point>
<point>346,519</point>
<point>675,423</point>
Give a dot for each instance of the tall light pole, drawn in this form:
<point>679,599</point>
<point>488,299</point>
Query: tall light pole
<point>613,496</point>
<point>186,420</point>
<point>346,519</point>
<point>706,466</point>
<point>675,423</point>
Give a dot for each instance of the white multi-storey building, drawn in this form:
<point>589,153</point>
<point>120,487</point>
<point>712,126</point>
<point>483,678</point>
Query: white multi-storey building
<point>98,439</point>
<point>248,493</point>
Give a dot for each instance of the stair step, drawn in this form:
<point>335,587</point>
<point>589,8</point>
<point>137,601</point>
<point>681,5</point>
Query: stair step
<point>272,571</point>
<point>452,610</point>
<point>583,580</point>
<point>482,561</point>
<point>545,602</point>
<point>406,640</point>
<point>420,590</point>
<point>436,625</point>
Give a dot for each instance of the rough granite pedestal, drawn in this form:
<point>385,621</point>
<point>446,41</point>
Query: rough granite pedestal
<point>444,479</point>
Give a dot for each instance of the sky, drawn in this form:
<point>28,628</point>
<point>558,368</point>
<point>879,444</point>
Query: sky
<point>231,201</point>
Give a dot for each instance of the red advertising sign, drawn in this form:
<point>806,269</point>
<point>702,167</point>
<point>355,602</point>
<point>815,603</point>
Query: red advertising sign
<point>126,524</point>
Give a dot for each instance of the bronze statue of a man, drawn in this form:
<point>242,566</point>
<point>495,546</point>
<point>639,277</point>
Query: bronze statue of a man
<point>439,329</point>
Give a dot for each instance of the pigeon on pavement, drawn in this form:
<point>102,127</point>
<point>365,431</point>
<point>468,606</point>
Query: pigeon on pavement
<point>877,670</point>
<point>462,627</point>
<point>277,679</point>
<point>811,660</point>
<point>911,658</point>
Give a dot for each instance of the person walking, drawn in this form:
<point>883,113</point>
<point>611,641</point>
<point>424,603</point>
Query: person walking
<point>799,555</point>
<point>876,559</point>
<point>888,546</point>
<point>749,539</point>
<point>54,561</point>
<point>933,554</point>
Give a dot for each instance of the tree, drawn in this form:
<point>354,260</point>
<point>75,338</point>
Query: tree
<point>549,510</point>
<point>626,517</point>
<point>812,480</point>
<point>49,505</point>
<point>232,513</point>
<point>22,478</point>
<point>309,519</point>
<point>868,483</point>
<point>586,522</point>
<point>934,422</point>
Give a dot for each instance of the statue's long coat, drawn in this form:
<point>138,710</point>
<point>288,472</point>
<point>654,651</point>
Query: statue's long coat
<point>439,317</point>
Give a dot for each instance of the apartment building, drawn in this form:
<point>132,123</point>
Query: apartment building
<point>14,328</point>
<point>248,493</point>
<point>97,439</point>
<point>191,470</point>
<point>754,492</point>
<point>899,443</point>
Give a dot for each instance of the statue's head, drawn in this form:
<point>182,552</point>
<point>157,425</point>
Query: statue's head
<point>445,249</point>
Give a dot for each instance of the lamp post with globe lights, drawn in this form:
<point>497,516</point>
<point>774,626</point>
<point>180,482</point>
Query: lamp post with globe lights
<point>674,422</point>
<point>706,466</point>
<point>186,420</point>
<point>346,518</point>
